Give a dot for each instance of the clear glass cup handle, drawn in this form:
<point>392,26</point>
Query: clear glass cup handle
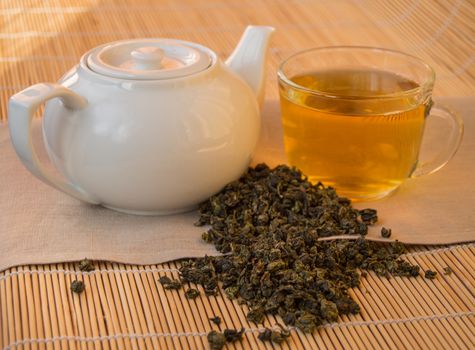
<point>455,133</point>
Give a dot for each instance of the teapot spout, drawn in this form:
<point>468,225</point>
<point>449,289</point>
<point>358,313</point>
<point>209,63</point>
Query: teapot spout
<point>249,57</point>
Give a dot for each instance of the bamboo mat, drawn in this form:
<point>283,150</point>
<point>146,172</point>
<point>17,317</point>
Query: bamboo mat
<point>123,307</point>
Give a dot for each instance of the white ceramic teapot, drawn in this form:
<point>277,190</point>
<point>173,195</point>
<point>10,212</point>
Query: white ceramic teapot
<point>151,126</point>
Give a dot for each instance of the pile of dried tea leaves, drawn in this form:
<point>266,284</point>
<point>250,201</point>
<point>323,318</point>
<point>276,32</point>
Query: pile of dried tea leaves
<point>267,223</point>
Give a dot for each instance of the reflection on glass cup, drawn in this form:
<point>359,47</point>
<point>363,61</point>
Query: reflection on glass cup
<point>354,117</point>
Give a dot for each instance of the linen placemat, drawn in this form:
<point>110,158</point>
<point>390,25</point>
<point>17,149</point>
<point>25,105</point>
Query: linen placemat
<point>41,225</point>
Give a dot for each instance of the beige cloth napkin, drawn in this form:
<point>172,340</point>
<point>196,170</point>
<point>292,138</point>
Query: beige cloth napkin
<point>41,225</point>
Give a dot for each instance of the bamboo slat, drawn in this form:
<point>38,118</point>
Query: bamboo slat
<point>125,307</point>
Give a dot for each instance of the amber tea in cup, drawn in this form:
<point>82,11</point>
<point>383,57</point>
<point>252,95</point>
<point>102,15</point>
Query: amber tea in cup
<point>354,118</point>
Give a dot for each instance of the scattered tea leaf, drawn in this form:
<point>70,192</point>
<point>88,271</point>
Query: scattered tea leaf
<point>307,322</point>
<point>430,274</point>
<point>233,335</point>
<point>447,270</point>
<point>255,315</point>
<point>216,340</point>
<point>168,283</point>
<point>386,232</point>
<point>77,286</point>
<point>274,336</point>
<point>279,336</point>
<point>192,293</point>
<point>86,265</point>
<point>216,320</point>
<point>328,310</point>
<point>369,216</point>
<point>265,335</point>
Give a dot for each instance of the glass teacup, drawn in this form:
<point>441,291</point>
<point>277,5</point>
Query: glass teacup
<point>354,118</point>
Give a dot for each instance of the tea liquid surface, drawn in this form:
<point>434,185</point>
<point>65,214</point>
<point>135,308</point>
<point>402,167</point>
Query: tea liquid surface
<point>363,147</point>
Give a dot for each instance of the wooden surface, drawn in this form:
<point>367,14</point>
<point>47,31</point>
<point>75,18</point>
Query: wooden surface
<point>123,307</point>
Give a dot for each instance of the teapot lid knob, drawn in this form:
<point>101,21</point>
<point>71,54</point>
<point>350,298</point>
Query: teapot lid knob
<point>149,59</point>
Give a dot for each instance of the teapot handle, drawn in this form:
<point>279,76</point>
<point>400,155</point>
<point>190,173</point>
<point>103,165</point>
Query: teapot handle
<point>21,109</point>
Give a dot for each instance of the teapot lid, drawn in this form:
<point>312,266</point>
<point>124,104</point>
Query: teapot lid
<point>148,59</point>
